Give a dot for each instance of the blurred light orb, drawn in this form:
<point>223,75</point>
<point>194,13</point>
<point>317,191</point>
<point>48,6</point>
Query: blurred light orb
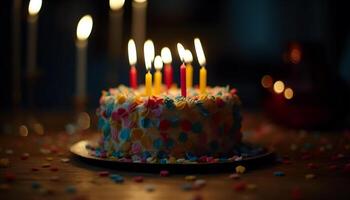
<point>266,81</point>
<point>83,121</point>
<point>84,27</point>
<point>23,131</point>
<point>295,53</point>
<point>288,93</point>
<point>278,87</point>
<point>38,128</point>
<point>140,1</point>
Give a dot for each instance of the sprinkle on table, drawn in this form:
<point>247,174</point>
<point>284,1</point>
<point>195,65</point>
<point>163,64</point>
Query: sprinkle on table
<point>190,178</point>
<point>279,173</point>
<point>240,186</point>
<point>150,187</point>
<point>65,160</point>
<point>309,176</point>
<point>234,176</point>
<point>240,169</point>
<point>46,165</point>
<point>164,173</point>
<point>103,173</point>
<point>138,179</point>
<point>4,162</point>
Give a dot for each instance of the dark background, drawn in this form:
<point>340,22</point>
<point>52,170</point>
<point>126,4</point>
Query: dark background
<point>242,40</point>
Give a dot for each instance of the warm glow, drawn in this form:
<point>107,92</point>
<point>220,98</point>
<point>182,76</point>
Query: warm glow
<point>148,49</point>
<point>116,4</point>
<point>132,52</point>
<point>158,63</point>
<point>288,93</point>
<point>166,55</point>
<point>295,53</point>
<point>266,81</point>
<point>181,51</point>
<point>188,56</point>
<point>199,52</point>
<point>84,27</point>
<point>278,87</point>
<point>140,1</point>
<point>34,7</point>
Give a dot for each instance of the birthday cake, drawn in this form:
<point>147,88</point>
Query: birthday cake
<point>168,127</point>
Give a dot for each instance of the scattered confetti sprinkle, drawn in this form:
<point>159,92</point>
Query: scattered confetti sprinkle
<point>164,173</point>
<point>24,156</point>
<point>190,178</point>
<point>9,151</point>
<point>45,165</point>
<point>138,179</point>
<point>279,173</point>
<point>54,178</point>
<point>197,197</point>
<point>150,188</point>
<point>103,173</point>
<point>186,186</point>
<point>34,169</point>
<point>234,176</point>
<point>4,162</point>
<point>45,151</point>
<point>35,185</point>
<point>200,183</point>
<point>251,186</point>
<point>49,158</point>
<point>117,178</point>
<point>70,189</point>
<point>240,169</point>
<point>65,160</point>
<point>239,187</point>
<point>312,166</point>
<point>54,169</point>
<point>309,176</point>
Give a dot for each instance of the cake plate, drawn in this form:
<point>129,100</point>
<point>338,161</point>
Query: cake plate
<point>79,150</point>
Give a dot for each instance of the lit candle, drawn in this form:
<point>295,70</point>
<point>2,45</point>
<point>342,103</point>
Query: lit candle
<point>189,69</point>
<point>181,51</point>
<point>168,70</point>
<point>138,24</point>
<point>132,60</point>
<point>158,65</point>
<point>202,62</point>
<point>33,10</point>
<point>115,28</point>
<point>83,32</point>
<point>148,50</point>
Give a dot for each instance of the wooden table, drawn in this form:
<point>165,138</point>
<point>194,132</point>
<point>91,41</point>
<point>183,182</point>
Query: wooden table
<point>308,153</point>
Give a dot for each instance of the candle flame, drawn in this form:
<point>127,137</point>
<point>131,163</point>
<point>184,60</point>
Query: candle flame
<point>181,51</point>
<point>34,7</point>
<point>158,63</point>
<point>188,56</point>
<point>116,4</point>
<point>199,52</point>
<point>84,27</point>
<point>148,49</point>
<point>132,52</point>
<point>166,55</point>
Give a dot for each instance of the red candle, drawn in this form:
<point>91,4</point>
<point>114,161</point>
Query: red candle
<point>133,77</point>
<point>168,75</point>
<point>183,80</point>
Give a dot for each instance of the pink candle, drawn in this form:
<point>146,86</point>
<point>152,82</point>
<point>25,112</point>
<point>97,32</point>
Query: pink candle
<point>183,79</point>
<point>133,77</point>
<point>168,75</point>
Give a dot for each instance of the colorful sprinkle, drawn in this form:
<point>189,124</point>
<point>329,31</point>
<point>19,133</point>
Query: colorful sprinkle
<point>240,186</point>
<point>150,188</point>
<point>240,169</point>
<point>103,173</point>
<point>309,176</point>
<point>138,179</point>
<point>186,186</point>
<point>164,173</point>
<point>279,173</point>
<point>65,160</point>
<point>35,185</point>
<point>71,189</point>
<point>234,176</point>
<point>190,178</point>
<point>4,162</point>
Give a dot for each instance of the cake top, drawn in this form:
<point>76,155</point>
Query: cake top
<point>217,95</point>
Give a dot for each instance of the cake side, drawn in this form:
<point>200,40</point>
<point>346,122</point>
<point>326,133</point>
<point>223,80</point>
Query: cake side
<point>169,125</point>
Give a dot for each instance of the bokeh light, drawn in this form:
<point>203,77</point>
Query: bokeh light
<point>288,93</point>
<point>23,131</point>
<point>278,87</point>
<point>83,121</point>
<point>266,81</point>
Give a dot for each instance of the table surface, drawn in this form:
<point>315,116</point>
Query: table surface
<point>322,154</point>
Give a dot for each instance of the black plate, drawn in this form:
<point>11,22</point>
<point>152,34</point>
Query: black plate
<point>79,150</point>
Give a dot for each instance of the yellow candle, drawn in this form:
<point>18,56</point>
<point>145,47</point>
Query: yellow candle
<point>202,80</point>
<point>202,61</point>
<point>157,82</point>
<point>158,65</point>
<point>148,82</point>
<point>189,75</point>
